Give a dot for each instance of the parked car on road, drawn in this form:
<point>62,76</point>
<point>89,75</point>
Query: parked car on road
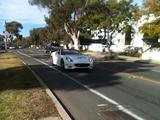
<point>51,47</point>
<point>71,59</point>
<point>2,47</point>
<point>12,47</point>
<point>133,49</point>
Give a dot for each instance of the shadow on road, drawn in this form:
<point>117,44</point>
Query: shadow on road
<point>103,75</point>
<point>97,78</point>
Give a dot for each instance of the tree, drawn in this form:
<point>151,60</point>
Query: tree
<point>34,36</point>
<point>42,33</point>
<point>14,28</point>
<point>25,42</point>
<point>151,29</point>
<point>111,16</point>
<point>54,33</point>
<point>129,32</point>
<point>64,15</point>
<point>40,36</point>
<point>72,15</point>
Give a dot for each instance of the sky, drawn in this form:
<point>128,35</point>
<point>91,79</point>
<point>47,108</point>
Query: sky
<point>21,11</point>
<point>29,16</point>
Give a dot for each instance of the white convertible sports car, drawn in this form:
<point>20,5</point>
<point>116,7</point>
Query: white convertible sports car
<point>71,59</point>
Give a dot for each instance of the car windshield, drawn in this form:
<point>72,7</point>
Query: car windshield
<point>70,52</point>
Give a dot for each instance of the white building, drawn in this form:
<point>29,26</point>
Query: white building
<point>119,41</point>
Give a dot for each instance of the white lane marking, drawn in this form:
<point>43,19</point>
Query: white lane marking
<point>105,61</point>
<point>155,70</point>
<point>24,54</point>
<point>102,105</point>
<point>59,107</point>
<point>119,106</point>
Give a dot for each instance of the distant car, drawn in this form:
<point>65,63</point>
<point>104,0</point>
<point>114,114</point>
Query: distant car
<point>20,47</point>
<point>12,47</point>
<point>133,49</point>
<point>2,47</point>
<point>51,47</point>
<point>71,59</point>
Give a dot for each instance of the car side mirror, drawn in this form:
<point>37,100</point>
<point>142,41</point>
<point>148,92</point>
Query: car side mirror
<point>58,53</point>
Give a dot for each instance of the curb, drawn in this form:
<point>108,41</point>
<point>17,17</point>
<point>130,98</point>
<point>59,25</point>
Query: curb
<point>62,112</point>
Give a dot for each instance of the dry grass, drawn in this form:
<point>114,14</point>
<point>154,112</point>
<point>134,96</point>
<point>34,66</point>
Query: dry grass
<point>21,95</point>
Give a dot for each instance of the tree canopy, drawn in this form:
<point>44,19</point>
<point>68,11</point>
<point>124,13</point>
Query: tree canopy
<point>151,29</point>
<point>63,16</point>
<point>113,16</point>
<point>71,16</point>
<point>13,28</point>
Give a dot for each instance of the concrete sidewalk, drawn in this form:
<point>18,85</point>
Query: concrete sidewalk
<point>99,56</point>
<point>138,60</point>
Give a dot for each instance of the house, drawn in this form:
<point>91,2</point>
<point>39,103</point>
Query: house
<point>119,41</point>
<point>148,54</point>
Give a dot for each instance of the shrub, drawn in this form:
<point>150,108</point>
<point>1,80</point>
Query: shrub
<point>130,54</point>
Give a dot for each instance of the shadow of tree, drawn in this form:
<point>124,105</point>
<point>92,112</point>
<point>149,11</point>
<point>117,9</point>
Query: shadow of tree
<point>94,79</point>
<point>17,78</point>
<point>20,77</point>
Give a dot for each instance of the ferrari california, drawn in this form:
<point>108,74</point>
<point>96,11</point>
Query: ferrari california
<point>71,59</point>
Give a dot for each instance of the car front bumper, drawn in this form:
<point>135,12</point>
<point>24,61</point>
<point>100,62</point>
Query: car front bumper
<point>71,65</point>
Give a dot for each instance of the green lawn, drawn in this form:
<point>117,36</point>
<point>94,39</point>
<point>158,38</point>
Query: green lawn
<point>21,95</point>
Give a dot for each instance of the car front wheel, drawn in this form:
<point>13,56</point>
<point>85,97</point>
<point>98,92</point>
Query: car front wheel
<point>51,60</point>
<point>62,65</point>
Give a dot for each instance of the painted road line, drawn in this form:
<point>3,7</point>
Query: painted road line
<point>24,54</point>
<point>156,71</point>
<point>119,106</point>
<point>59,107</point>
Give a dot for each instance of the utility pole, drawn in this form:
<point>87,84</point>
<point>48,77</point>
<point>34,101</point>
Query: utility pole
<point>5,33</point>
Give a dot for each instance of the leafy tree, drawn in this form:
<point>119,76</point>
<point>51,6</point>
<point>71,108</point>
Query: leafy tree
<point>25,42</point>
<point>63,14</point>
<point>42,33</point>
<point>129,32</point>
<point>41,36</point>
<point>151,29</point>
<point>14,28</point>
<point>34,36</point>
<point>73,15</point>
<point>54,33</point>
<point>112,16</point>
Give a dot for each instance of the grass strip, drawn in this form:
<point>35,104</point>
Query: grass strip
<point>21,95</point>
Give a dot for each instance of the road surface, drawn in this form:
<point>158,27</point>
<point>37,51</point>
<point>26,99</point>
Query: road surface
<point>114,90</point>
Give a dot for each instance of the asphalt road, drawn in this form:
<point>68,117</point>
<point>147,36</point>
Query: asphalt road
<point>114,90</point>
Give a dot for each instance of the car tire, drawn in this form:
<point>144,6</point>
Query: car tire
<point>62,65</point>
<point>52,60</point>
<point>90,69</point>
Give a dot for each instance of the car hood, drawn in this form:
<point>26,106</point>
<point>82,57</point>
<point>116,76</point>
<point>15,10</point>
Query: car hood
<point>79,57</point>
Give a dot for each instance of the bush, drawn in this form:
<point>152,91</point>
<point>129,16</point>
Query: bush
<point>112,56</point>
<point>135,54</point>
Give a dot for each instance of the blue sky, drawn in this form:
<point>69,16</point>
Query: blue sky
<point>20,10</point>
<point>29,16</point>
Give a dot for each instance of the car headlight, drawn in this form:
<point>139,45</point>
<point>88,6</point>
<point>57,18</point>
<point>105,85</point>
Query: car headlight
<point>90,59</point>
<point>69,59</point>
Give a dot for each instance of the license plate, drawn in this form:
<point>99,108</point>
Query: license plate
<point>80,57</point>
